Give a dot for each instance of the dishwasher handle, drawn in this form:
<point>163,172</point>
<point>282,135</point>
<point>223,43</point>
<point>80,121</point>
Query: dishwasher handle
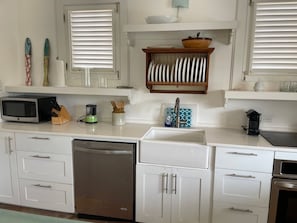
<point>104,151</point>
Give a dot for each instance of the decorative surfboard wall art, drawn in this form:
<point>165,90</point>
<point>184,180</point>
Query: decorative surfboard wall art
<point>28,56</point>
<point>46,62</point>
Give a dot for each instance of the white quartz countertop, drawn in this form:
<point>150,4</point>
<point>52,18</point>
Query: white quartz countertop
<point>134,132</point>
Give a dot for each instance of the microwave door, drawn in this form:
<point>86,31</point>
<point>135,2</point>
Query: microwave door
<point>19,111</point>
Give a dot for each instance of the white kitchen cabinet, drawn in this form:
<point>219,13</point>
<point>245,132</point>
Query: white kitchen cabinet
<point>236,213</point>
<point>46,195</point>
<point>45,171</point>
<point>9,191</point>
<point>242,185</point>
<point>176,195</point>
<point>45,166</point>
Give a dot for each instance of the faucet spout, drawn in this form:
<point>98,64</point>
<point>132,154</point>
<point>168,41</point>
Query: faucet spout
<point>176,111</point>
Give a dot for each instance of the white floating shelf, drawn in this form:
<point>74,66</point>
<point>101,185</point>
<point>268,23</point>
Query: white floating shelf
<point>69,90</point>
<point>260,95</point>
<point>180,26</point>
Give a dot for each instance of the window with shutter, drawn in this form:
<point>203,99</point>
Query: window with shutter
<point>273,48</point>
<point>92,39</point>
<point>92,34</point>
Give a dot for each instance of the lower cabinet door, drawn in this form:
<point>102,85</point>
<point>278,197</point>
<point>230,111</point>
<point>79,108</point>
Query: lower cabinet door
<point>152,194</point>
<point>234,213</point>
<point>9,188</point>
<point>172,195</point>
<point>46,195</point>
<point>190,189</point>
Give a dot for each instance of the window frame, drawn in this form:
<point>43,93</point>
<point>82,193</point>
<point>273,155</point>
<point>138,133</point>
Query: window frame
<point>247,67</point>
<point>116,41</point>
<point>120,76</point>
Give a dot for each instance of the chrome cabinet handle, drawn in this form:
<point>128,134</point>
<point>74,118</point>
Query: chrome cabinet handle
<point>240,176</point>
<point>165,182</point>
<point>42,186</point>
<point>174,181</point>
<point>241,210</point>
<point>243,154</point>
<point>40,138</point>
<point>8,145</point>
<point>41,157</point>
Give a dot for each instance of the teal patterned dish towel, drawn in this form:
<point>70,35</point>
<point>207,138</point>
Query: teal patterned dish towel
<point>184,113</point>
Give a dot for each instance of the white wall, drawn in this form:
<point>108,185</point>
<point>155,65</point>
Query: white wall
<point>9,43</point>
<point>36,19</point>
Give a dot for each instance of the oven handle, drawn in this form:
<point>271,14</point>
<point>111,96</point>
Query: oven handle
<point>285,184</point>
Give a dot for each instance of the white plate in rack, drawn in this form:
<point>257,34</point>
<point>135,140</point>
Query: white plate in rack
<point>188,73</point>
<point>184,72</point>
<point>156,74</point>
<point>192,75</point>
<point>175,79</point>
<point>180,66</point>
<point>167,73</point>
<point>164,72</point>
<point>196,79</point>
<point>201,70</point>
<point>160,73</point>
<point>149,72</point>
<point>179,71</point>
<point>152,75</point>
<point>172,73</point>
<point>204,70</point>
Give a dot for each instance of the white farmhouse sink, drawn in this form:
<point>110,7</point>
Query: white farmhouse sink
<point>175,147</point>
<point>176,135</point>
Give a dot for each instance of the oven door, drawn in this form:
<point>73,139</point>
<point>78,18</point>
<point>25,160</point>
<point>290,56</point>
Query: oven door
<point>283,201</point>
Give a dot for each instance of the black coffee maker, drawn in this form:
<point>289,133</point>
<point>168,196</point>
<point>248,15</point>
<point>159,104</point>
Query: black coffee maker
<point>253,122</point>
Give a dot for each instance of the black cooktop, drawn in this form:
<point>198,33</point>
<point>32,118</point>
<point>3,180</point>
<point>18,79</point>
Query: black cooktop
<point>284,139</point>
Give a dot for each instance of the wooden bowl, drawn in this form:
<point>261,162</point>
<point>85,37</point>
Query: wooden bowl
<point>196,42</point>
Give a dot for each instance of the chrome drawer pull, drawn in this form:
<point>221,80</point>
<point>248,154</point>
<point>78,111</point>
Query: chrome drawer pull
<point>41,157</point>
<point>241,210</point>
<point>243,154</point>
<point>165,182</point>
<point>241,176</point>
<point>173,184</point>
<point>43,186</point>
<point>40,138</point>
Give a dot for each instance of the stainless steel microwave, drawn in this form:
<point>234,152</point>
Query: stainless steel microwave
<point>27,108</point>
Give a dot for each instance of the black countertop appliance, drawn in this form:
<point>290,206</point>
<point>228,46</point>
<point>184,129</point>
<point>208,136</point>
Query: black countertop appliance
<point>253,122</point>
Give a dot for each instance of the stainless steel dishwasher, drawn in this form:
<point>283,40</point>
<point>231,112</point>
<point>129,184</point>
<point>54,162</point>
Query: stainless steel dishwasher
<point>104,178</point>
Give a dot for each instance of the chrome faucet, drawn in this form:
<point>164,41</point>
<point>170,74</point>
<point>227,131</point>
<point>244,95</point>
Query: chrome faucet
<point>176,111</point>
<point>177,115</point>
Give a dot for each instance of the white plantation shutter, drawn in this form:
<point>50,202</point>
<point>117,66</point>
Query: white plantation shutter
<point>274,46</point>
<point>92,39</point>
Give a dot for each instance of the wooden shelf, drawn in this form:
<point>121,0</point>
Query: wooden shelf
<point>69,90</point>
<point>260,95</point>
<point>179,83</point>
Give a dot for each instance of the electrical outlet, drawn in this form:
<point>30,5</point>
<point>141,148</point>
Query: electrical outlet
<point>267,118</point>
<point>180,3</point>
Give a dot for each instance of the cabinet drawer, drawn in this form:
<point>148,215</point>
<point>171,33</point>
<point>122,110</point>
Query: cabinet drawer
<point>242,187</point>
<point>45,166</point>
<point>234,213</point>
<point>43,143</point>
<point>46,195</point>
<point>244,159</point>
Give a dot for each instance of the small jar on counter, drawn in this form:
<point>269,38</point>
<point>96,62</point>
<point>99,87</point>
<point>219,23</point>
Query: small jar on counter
<point>118,118</point>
